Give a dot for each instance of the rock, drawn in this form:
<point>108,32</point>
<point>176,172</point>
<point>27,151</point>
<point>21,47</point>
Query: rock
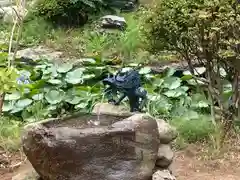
<point>38,53</point>
<point>167,133</point>
<point>126,149</point>
<point>110,109</point>
<point>172,168</point>
<point>113,22</point>
<point>12,13</point>
<point>124,5</point>
<point>5,3</point>
<point>130,6</point>
<point>165,156</point>
<point>163,175</point>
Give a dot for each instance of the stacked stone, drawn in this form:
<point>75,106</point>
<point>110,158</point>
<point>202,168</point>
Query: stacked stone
<point>164,164</point>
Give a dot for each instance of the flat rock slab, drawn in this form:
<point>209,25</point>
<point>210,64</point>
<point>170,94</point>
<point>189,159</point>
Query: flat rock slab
<point>123,150</point>
<point>38,53</point>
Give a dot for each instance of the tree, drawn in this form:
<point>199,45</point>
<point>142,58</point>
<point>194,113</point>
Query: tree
<point>207,32</point>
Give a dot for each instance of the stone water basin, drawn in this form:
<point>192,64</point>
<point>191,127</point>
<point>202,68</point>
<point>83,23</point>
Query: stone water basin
<point>74,148</point>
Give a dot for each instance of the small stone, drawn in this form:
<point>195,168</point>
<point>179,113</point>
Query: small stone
<point>163,175</point>
<point>110,109</point>
<point>172,168</point>
<point>165,156</point>
<point>167,133</point>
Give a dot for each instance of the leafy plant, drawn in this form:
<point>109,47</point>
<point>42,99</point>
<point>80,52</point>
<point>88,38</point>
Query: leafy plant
<point>55,89</point>
<point>169,96</point>
<point>206,32</point>
<point>69,12</point>
<point>8,83</point>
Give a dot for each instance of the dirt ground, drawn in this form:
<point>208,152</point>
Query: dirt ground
<point>193,163</point>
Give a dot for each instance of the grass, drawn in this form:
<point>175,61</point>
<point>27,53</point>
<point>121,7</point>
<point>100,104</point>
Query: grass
<point>10,130</point>
<point>198,130</point>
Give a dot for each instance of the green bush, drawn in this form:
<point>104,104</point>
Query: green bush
<point>196,130</point>
<point>68,12</point>
<point>192,27</point>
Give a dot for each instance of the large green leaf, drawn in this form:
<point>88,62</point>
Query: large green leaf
<point>75,77</point>
<point>37,97</point>
<point>170,72</point>
<point>158,82</point>
<point>81,105</point>
<point>64,68</point>
<point>54,96</point>
<point>54,81</point>
<point>172,82</point>
<point>199,101</point>
<point>13,96</point>
<point>73,99</point>
<point>173,93</point>
<point>22,103</point>
<point>8,106</point>
<point>145,70</point>
<point>186,77</point>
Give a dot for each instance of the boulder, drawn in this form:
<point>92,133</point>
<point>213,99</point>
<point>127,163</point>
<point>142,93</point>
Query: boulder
<point>11,13</point>
<point>113,22</point>
<point>167,133</point>
<point>38,53</point>
<point>5,3</point>
<point>165,156</point>
<point>163,175</point>
<point>116,149</point>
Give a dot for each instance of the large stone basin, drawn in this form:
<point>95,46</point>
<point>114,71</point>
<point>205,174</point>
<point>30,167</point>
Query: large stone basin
<point>73,148</point>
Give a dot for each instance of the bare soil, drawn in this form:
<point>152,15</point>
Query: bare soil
<point>193,163</point>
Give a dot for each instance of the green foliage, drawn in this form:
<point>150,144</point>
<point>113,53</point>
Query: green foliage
<point>196,130</point>
<point>8,78</point>
<point>69,12</point>
<point>190,26</point>
<point>53,90</point>
<point>205,31</point>
<point>35,31</point>
<point>169,97</point>
<point>10,133</point>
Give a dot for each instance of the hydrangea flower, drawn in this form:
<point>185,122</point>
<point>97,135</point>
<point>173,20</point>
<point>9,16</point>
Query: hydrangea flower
<point>24,78</point>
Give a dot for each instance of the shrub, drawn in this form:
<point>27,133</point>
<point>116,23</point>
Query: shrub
<point>208,32</point>
<point>68,12</point>
<point>190,132</point>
